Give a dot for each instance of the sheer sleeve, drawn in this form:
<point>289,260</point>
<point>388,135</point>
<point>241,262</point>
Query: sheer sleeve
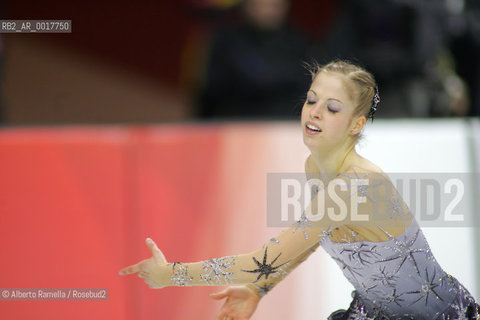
<point>270,262</point>
<point>261,288</point>
<point>342,203</point>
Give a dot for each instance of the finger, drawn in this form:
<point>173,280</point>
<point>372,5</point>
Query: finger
<point>219,295</point>
<point>130,269</point>
<point>156,253</point>
<point>222,315</point>
<point>230,317</point>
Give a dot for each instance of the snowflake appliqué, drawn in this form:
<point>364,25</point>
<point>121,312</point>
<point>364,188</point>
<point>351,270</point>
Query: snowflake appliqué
<point>384,277</point>
<point>404,250</point>
<point>360,253</point>
<point>303,224</point>
<point>263,290</point>
<point>181,276</point>
<point>426,289</point>
<point>217,270</point>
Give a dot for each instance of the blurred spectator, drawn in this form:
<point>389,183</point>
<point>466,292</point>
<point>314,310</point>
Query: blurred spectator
<point>404,43</point>
<point>254,68</point>
<point>464,27</point>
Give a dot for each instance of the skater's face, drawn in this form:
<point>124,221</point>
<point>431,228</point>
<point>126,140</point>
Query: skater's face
<point>328,115</point>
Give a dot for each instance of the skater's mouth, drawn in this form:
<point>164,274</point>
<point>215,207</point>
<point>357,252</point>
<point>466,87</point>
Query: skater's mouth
<point>311,128</point>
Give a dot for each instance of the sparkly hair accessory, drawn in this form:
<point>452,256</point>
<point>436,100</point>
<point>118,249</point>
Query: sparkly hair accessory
<point>375,101</point>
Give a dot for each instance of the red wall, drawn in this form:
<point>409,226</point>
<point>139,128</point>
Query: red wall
<point>77,203</point>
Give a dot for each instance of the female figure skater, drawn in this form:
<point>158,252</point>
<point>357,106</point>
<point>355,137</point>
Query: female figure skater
<point>356,215</point>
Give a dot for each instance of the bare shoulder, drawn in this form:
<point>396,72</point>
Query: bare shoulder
<point>374,175</point>
<point>366,168</point>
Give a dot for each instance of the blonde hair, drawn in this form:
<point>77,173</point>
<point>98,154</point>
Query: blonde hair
<point>361,86</point>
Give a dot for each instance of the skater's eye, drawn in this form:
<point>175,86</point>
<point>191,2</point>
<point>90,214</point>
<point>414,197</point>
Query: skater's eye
<point>311,98</point>
<point>331,109</point>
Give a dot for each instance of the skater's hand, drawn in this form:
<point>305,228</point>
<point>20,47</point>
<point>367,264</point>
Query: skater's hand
<point>153,270</point>
<point>240,304</point>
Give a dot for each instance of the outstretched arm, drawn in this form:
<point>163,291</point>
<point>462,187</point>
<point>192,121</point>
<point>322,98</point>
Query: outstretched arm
<point>267,263</point>
<point>349,206</point>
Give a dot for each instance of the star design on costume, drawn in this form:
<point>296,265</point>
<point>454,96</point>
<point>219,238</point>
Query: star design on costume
<point>429,254</point>
<point>427,288</point>
<point>353,270</point>
<point>394,297</point>
<point>396,206</point>
<point>303,224</point>
<point>384,277</point>
<point>403,250</point>
<point>180,277</point>
<point>274,240</point>
<point>315,189</point>
<point>360,252</point>
<point>282,272</point>
<point>217,270</point>
<point>264,268</point>
<point>362,189</point>
<point>463,290</point>
<point>368,289</point>
<point>263,290</point>
<point>325,235</point>
<point>350,238</point>
<point>462,311</point>
<point>380,311</point>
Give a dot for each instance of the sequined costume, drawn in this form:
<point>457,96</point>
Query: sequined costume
<point>378,246</point>
<point>399,279</point>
